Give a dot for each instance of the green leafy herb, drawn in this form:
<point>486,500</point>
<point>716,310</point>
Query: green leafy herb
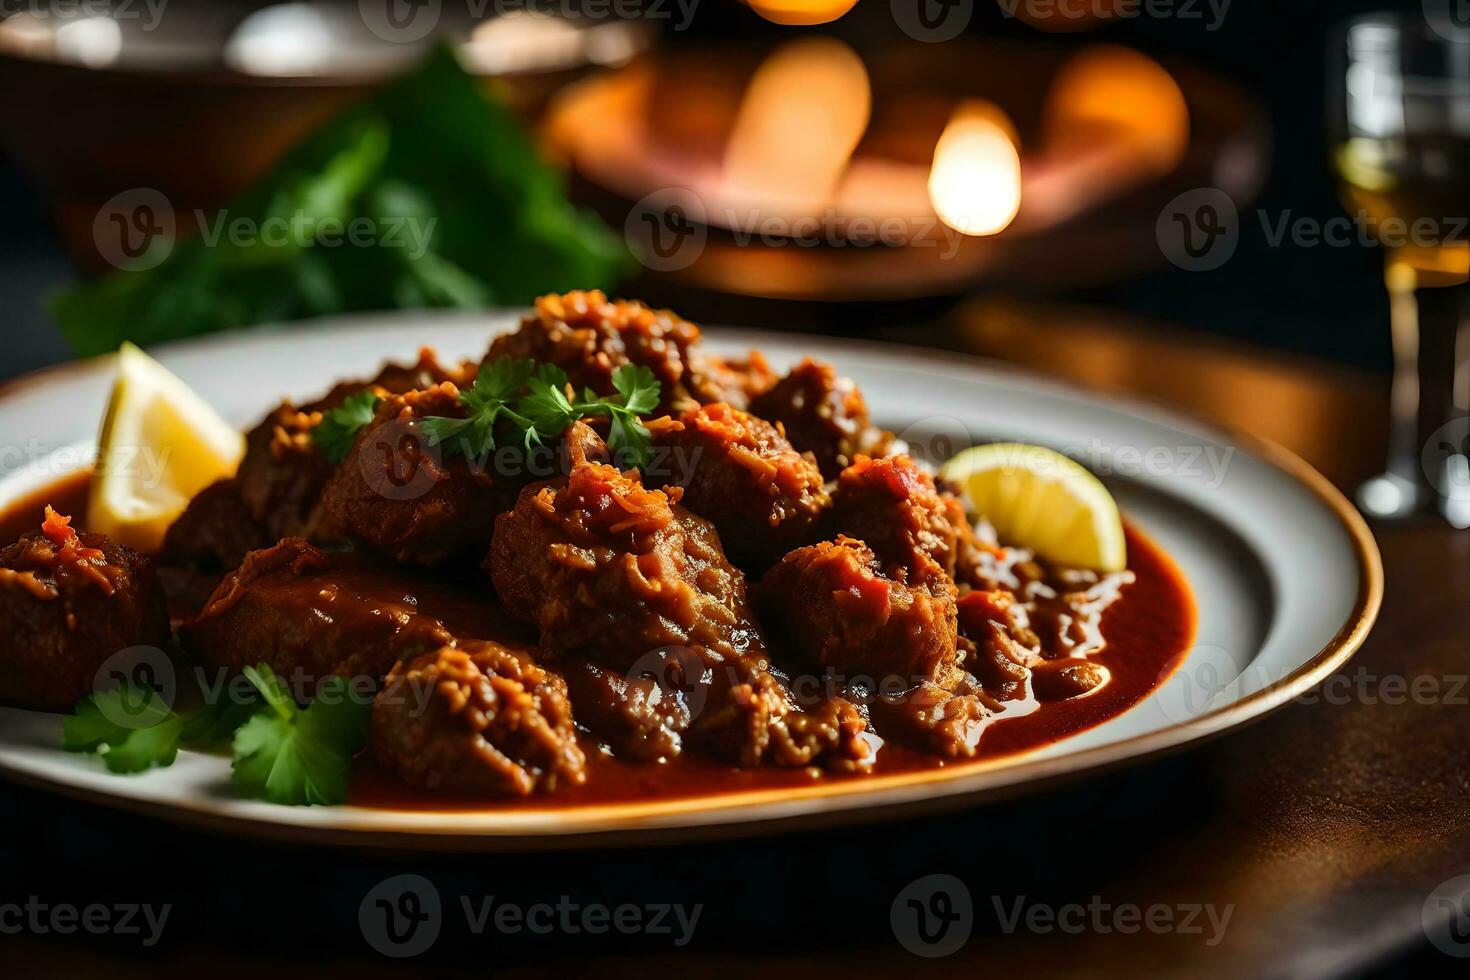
<point>534,399</point>
<point>637,395</point>
<point>296,756</point>
<point>133,729</point>
<point>339,426</point>
<point>458,210</point>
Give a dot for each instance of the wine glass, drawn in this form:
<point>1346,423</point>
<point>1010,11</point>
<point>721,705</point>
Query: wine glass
<point>1400,129</point>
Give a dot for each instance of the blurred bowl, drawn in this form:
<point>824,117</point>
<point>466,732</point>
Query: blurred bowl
<point>198,102</point>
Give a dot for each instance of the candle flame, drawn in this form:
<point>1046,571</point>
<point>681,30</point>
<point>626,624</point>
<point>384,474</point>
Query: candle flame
<point>975,181</point>
<point>802,116</point>
<point>1126,93</point>
<point>801,13</point>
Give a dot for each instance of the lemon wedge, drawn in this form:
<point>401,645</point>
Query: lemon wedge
<point>160,445</point>
<point>1042,501</point>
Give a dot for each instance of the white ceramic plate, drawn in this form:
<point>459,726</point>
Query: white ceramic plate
<point>1285,574</point>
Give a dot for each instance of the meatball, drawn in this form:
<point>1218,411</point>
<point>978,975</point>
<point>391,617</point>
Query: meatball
<point>69,600</point>
<point>416,503</point>
<point>211,537</point>
<point>607,568</point>
<point>890,643</point>
<point>281,476</point>
<point>837,609</point>
<point>589,337</point>
<point>720,379</point>
<point>481,718</point>
<point>740,473</point>
<point>894,507</point>
<point>823,414</point>
<point>623,576</point>
<point>300,609</point>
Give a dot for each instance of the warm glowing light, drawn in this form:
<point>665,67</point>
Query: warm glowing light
<point>802,13</point>
<point>802,116</point>
<point>975,182</point>
<point>1063,16</point>
<point>1127,94</point>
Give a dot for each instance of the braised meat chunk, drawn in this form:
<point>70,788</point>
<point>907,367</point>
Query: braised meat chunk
<point>838,609</point>
<point>69,600</point>
<point>415,502</point>
<point>607,568</point>
<point>301,609</point>
<point>740,473</point>
<point>823,414</point>
<point>891,643</point>
<point>895,508</point>
<point>283,471</point>
<point>613,572</point>
<point>480,718</point>
<point>211,537</point>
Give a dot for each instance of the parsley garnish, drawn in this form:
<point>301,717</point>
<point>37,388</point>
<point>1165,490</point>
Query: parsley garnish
<point>133,729</point>
<point>339,426</point>
<point>534,399</point>
<point>486,401</point>
<point>299,756</point>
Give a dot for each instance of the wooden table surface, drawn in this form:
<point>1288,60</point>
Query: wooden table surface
<point>1322,830</point>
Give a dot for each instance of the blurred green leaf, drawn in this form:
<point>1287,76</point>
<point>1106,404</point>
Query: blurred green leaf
<point>450,204</point>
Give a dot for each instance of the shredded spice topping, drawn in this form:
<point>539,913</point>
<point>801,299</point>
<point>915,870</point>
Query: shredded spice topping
<point>71,553</point>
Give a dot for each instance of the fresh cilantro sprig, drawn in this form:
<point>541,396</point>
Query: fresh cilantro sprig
<point>282,753</point>
<point>132,728</point>
<point>299,756</point>
<point>487,401</point>
<point>534,398</point>
<point>339,426</point>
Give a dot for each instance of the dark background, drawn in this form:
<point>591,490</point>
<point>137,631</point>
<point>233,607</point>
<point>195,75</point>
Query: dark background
<point>1324,301</point>
<point>829,889</point>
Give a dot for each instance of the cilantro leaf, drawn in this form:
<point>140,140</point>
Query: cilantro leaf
<point>296,756</point>
<point>466,214</point>
<point>339,426</point>
<point>638,387</point>
<point>133,728</point>
<point>547,406</point>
